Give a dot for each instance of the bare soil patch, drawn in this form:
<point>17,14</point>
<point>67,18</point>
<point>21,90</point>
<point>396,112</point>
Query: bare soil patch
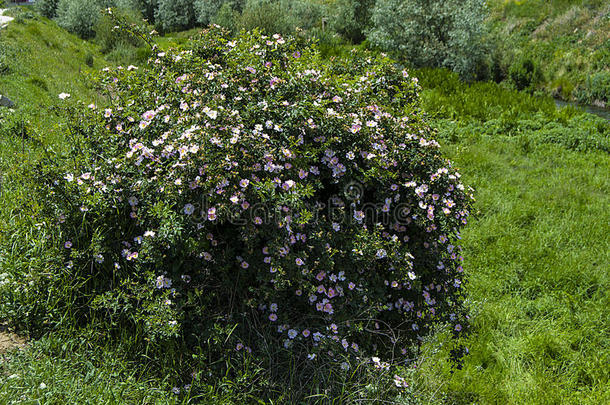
<point>9,341</point>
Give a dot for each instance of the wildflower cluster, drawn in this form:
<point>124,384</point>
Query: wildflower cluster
<point>247,182</point>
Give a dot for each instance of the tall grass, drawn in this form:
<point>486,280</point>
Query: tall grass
<point>537,257</point>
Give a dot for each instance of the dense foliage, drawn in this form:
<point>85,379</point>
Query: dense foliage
<point>540,321</point>
<point>352,18</point>
<point>437,33</point>
<point>243,192</point>
<point>492,110</point>
<point>283,17</point>
<point>79,16</point>
<point>206,10</point>
<point>175,15</point>
<point>47,8</point>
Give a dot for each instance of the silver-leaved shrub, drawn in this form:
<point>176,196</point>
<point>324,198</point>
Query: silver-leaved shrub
<point>432,33</point>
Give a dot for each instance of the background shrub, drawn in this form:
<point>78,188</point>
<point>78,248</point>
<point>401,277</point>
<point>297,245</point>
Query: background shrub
<point>435,33</point>
<point>308,14</point>
<point>47,8</point>
<point>147,8</point>
<point>206,10</point>
<point>79,16</point>
<point>525,74</point>
<point>352,18</point>
<point>268,16</point>
<point>227,17</point>
<point>174,15</point>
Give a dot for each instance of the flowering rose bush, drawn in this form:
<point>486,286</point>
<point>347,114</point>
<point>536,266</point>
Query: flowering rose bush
<point>246,186</point>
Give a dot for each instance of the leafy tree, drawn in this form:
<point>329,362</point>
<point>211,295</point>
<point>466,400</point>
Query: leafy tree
<point>308,13</point>
<point>206,10</point>
<point>147,8</point>
<point>282,16</point>
<point>79,16</point>
<point>269,16</point>
<point>226,17</point>
<point>47,8</point>
<point>433,33</point>
<point>352,18</point>
<point>175,15</point>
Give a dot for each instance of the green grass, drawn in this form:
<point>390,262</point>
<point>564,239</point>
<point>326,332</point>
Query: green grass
<point>537,252</point>
<point>42,60</point>
<point>53,371</point>
<point>459,109</point>
<point>537,256</point>
<point>41,52</point>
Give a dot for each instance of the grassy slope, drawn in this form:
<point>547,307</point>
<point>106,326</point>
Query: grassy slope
<point>569,39</point>
<point>45,60</point>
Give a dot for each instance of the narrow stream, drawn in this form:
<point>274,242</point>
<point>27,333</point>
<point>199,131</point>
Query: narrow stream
<point>591,109</point>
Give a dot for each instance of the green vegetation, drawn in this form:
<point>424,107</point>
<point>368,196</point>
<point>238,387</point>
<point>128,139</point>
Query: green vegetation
<point>559,47</point>
<point>53,46</point>
<point>152,237</point>
<point>62,65</point>
<point>536,248</point>
<point>537,255</point>
<point>432,33</point>
<point>65,371</point>
<point>566,41</point>
<point>484,107</point>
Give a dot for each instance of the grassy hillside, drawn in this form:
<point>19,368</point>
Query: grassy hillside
<point>567,40</point>
<point>41,60</point>
<point>38,61</point>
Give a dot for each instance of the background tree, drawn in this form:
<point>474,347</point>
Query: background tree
<point>147,8</point>
<point>47,8</point>
<point>431,33</point>
<point>174,15</point>
<point>206,10</point>
<point>79,16</point>
<point>352,18</point>
<point>269,16</point>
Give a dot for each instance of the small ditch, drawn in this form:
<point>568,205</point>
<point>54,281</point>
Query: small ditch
<point>591,109</point>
